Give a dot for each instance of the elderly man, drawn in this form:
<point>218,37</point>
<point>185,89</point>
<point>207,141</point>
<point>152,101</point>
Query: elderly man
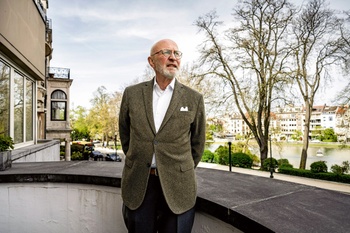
<point>162,131</point>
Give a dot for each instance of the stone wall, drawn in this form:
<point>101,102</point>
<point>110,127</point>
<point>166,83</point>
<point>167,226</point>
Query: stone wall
<point>44,151</point>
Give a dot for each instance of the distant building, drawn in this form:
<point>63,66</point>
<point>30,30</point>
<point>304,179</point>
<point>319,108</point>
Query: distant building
<point>286,121</point>
<point>328,117</point>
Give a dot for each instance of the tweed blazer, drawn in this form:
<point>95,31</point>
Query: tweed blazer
<point>178,145</point>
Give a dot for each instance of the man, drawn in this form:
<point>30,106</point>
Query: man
<point>162,131</point>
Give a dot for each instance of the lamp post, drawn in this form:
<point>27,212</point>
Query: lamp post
<point>115,141</point>
<point>271,165</point>
<point>229,154</point>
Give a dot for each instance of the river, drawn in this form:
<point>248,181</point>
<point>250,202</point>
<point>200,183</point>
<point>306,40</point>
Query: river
<point>292,152</point>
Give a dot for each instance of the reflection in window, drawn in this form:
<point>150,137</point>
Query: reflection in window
<point>58,95</point>
<point>16,97</point>
<point>5,99</point>
<point>18,107</point>
<point>58,106</point>
<point>29,110</point>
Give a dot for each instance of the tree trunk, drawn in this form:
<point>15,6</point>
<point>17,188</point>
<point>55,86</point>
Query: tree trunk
<point>263,151</point>
<point>306,135</point>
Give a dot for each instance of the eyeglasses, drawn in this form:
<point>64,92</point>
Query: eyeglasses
<point>167,53</point>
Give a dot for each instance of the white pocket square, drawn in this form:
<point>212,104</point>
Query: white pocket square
<point>184,109</point>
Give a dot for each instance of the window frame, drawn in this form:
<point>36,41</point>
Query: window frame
<point>58,101</point>
<point>13,70</point>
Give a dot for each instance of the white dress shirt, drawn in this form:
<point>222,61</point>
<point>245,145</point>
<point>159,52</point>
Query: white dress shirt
<point>161,101</point>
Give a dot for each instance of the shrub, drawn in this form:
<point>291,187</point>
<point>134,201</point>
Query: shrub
<point>267,162</point>
<point>208,156</point>
<point>340,170</point>
<point>284,163</point>
<point>6,143</point>
<point>255,158</point>
<point>221,155</point>
<point>319,166</point>
<point>322,176</point>
<point>242,160</point>
<point>77,147</point>
<point>76,155</point>
<point>336,169</point>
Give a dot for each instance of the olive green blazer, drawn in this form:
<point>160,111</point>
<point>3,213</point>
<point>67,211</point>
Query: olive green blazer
<point>178,144</point>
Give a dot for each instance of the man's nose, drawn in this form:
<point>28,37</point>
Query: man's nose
<point>172,56</point>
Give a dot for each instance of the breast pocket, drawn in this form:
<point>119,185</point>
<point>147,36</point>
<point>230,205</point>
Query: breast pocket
<point>186,117</point>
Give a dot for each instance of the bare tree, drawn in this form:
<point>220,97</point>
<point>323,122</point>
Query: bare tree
<point>114,108</point>
<point>344,96</point>
<point>250,59</point>
<point>317,45</point>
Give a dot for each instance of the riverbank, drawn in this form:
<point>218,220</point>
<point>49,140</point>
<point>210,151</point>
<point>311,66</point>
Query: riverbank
<point>331,153</point>
<point>337,145</point>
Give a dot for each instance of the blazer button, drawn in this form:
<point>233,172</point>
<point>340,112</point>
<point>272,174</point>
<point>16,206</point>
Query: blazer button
<point>148,164</point>
<point>155,142</point>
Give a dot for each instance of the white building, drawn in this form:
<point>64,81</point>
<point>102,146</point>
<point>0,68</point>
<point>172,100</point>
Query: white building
<point>286,121</point>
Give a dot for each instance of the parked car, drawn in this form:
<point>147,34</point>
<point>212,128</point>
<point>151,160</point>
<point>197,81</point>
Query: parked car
<point>96,155</point>
<point>113,157</point>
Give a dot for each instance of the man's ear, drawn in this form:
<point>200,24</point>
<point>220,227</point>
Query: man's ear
<point>150,62</point>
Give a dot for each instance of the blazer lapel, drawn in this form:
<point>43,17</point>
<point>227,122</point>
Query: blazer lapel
<point>148,100</point>
<point>174,102</point>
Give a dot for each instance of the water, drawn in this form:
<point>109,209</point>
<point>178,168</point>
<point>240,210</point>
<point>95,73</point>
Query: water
<point>293,153</point>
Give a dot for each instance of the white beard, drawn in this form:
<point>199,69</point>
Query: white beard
<point>166,73</point>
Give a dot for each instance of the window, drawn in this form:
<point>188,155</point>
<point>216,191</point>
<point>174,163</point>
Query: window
<point>17,103</point>
<point>58,106</point>
<point>29,110</point>
<point>18,107</point>
<point>5,99</point>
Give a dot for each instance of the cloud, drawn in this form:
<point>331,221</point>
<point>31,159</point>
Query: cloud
<point>107,42</point>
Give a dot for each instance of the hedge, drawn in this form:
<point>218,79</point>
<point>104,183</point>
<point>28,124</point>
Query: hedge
<point>321,176</point>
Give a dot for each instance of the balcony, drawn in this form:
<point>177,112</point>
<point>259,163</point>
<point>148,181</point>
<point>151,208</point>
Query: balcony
<point>48,41</point>
<point>84,196</point>
<point>58,72</point>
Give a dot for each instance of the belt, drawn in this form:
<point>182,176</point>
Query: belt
<point>153,171</point>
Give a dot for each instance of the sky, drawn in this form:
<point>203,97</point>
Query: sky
<point>107,42</point>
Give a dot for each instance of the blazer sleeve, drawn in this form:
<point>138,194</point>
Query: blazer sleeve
<point>198,132</point>
<point>124,123</point>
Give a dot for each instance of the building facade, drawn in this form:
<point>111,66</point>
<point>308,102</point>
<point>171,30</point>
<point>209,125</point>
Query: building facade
<point>25,54</point>
<point>286,121</point>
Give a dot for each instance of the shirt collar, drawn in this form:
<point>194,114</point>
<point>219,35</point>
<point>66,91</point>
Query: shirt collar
<point>171,85</point>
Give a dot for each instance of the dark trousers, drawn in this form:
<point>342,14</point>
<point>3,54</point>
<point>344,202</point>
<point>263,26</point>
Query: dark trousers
<point>154,214</point>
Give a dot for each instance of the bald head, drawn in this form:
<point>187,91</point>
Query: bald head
<point>162,44</point>
<point>165,59</point>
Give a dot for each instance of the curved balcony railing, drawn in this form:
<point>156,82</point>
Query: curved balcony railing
<point>84,196</point>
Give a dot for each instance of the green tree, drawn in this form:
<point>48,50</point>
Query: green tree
<point>98,118</point>
<point>328,135</point>
<point>297,135</point>
<point>78,124</point>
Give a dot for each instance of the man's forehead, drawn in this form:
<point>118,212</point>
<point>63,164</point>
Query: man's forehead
<point>164,44</point>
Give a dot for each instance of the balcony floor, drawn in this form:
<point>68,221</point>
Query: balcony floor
<point>249,202</point>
